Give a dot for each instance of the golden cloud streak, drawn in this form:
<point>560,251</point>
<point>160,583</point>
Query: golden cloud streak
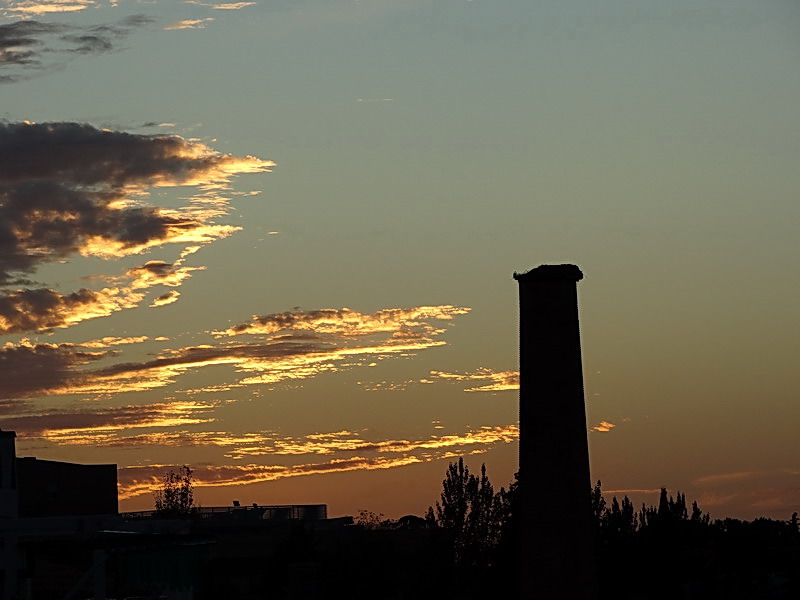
<point>135,481</point>
<point>267,443</point>
<point>177,234</point>
<point>284,357</point>
<point>232,5</point>
<point>346,322</point>
<point>113,341</point>
<point>155,272</point>
<point>498,381</point>
<point>270,370</point>
<point>345,441</point>
<point>603,426</point>
<point>31,7</point>
<point>189,24</point>
<point>100,427</point>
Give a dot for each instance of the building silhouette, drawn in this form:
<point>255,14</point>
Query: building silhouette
<point>61,536</point>
<point>556,550</point>
<point>32,487</point>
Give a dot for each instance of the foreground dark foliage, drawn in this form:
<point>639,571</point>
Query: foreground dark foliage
<point>675,551</point>
<point>465,548</point>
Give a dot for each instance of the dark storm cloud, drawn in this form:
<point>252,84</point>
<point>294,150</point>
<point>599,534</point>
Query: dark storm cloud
<point>29,47</point>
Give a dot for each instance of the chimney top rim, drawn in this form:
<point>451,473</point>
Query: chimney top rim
<point>563,272</point>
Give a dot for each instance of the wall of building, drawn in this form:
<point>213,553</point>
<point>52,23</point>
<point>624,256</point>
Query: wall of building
<point>49,488</point>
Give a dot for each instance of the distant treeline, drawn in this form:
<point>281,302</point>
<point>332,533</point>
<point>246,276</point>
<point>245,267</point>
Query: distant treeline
<point>672,550</point>
<point>466,546</point>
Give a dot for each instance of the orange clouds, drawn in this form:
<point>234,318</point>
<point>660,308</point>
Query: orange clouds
<point>139,480</point>
<point>603,426</point>
<point>72,189</point>
<point>496,381</point>
<point>346,441</point>
<point>41,309</point>
<point>113,341</point>
<point>346,322</point>
<point>298,347</point>
<point>106,427</point>
<point>101,426</point>
<point>36,7</point>
<point>134,481</point>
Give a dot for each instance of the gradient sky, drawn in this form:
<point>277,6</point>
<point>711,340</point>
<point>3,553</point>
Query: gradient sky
<point>274,240</point>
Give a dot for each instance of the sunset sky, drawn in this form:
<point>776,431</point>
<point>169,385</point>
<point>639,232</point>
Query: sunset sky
<point>274,240</point>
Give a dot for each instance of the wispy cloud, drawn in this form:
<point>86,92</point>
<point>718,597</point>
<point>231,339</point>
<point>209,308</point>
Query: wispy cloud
<point>405,323</point>
<point>221,5</point>
<point>109,341</point>
<point>390,454</point>
<point>99,425</point>
<point>38,7</point>
<point>773,491</point>
<point>30,47</point>
<point>159,272</point>
<point>40,369</point>
<point>347,441</point>
<point>231,5</point>
<point>496,381</point>
<point>136,480</point>
<point>111,428</point>
<point>189,24</point>
<point>724,478</point>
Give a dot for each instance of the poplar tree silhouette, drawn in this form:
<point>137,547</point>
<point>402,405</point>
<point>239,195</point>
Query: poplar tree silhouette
<point>471,511</point>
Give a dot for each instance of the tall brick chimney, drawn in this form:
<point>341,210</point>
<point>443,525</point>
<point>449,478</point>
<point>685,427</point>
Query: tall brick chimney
<point>556,534</point>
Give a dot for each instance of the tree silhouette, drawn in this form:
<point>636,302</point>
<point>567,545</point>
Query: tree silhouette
<point>176,496</point>
<point>471,512</point>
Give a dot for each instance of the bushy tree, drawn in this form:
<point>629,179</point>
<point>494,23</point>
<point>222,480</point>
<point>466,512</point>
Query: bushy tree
<point>176,496</point>
<point>472,512</point>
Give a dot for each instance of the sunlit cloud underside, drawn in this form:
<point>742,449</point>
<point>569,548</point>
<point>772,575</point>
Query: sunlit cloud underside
<point>302,348</point>
<point>71,190</point>
<point>137,480</point>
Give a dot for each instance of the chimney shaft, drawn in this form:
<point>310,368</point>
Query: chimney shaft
<point>556,552</point>
<point>9,497</point>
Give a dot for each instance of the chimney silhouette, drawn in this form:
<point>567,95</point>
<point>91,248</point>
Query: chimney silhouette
<point>556,531</point>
